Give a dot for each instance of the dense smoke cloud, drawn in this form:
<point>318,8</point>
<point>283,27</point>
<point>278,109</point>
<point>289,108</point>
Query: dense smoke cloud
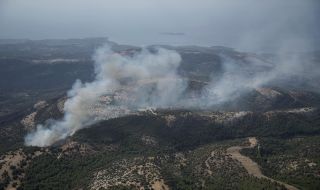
<point>131,81</point>
<point>150,78</point>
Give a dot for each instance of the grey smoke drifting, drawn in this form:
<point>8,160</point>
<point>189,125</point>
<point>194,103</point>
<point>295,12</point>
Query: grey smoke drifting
<point>237,79</point>
<point>285,70</point>
<point>149,79</point>
<point>114,73</point>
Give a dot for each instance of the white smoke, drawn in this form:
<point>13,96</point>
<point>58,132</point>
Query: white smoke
<point>237,79</point>
<point>150,80</point>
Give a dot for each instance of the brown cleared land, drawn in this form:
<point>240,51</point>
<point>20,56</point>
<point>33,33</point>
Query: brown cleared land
<point>251,166</point>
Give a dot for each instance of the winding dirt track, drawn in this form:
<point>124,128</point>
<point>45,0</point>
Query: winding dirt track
<point>251,166</point>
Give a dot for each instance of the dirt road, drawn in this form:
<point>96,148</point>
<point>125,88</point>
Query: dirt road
<point>251,166</point>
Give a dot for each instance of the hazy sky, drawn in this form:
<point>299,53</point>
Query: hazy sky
<point>244,24</point>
